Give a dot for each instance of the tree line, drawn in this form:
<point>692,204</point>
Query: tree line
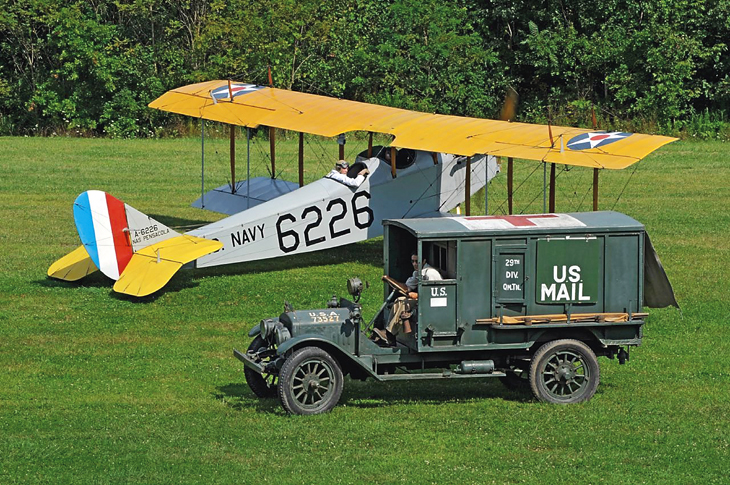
<point>90,67</point>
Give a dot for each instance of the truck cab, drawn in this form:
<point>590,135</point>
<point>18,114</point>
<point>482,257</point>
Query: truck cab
<point>530,299</point>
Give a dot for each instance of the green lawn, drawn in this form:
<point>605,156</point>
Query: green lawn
<point>97,387</point>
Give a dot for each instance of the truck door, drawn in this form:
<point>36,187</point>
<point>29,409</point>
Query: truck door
<point>437,314</point>
<point>510,280</point>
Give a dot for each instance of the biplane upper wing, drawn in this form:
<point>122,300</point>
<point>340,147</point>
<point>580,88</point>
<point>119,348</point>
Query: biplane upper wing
<point>250,105</point>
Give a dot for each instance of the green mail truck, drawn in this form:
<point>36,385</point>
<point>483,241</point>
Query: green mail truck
<point>530,299</point>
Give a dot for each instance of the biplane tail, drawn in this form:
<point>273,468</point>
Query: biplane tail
<point>137,251</point>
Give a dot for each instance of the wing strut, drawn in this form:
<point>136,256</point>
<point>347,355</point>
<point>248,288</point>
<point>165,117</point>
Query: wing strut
<point>301,159</point>
<point>510,178</point>
<point>232,132</point>
<point>393,155</point>
<point>595,170</point>
<point>248,167</point>
<point>202,163</point>
<point>467,189</point>
<point>272,147</point>
<point>552,188</point>
<point>341,142</point>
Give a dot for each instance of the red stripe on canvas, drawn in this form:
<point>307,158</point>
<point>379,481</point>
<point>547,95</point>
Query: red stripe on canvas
<point>118,221</point>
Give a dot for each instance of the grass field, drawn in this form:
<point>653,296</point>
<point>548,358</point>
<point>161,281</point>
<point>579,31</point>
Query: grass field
<point>97,387</point>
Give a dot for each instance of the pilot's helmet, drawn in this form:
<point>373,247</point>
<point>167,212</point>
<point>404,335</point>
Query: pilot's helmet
<point>342,164</point>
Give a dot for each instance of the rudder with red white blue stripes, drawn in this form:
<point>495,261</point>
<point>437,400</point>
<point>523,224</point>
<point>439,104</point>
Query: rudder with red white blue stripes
<point>109,230</point>
<point>101,222</point>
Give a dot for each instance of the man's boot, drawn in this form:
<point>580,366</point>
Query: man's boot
<point>405,321</point>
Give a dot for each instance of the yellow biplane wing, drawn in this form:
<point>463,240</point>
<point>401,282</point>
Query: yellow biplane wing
<point>250,105</point>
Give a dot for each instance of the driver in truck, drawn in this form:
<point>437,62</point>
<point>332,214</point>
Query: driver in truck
<point>399,320</point>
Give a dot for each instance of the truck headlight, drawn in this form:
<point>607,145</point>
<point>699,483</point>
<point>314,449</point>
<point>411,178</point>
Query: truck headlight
<point>281,334</point>
<point>266,328</point>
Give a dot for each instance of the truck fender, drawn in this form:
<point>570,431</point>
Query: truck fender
<point>345,358</point>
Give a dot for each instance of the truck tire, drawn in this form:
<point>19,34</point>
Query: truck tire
<point>310,382</point>
<point>264,386</point>
<point>564,372</point>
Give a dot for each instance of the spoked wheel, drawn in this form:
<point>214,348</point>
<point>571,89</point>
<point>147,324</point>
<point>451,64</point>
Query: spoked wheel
<point>263,385</point>
<point>564,372</point>
<point>310,382</point>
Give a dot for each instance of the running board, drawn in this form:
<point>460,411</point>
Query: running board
<point>434,375</point>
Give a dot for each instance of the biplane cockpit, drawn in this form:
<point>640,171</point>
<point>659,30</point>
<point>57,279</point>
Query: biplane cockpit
<point>405,157</point>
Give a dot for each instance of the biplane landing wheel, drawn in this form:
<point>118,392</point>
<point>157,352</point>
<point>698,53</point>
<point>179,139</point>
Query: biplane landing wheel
<point>310,382</point>
<point>263,385</point>
<point>564,372</point>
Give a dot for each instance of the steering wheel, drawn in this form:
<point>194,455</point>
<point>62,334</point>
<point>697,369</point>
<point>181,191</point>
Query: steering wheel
<point>396,285</point>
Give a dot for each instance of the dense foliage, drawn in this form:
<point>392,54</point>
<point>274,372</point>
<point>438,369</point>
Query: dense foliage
<point>90,67</point>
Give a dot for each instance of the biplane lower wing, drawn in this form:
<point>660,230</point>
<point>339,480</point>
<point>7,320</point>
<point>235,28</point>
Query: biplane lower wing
<point>244,195</point>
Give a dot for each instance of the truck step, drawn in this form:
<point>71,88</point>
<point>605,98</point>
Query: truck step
<point>435,375</point>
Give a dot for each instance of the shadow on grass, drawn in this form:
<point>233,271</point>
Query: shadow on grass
<point>375,395</point>
<point>239,397</point>
<point>433,392</point>
<point>98,280</point>
<point>94,280</point>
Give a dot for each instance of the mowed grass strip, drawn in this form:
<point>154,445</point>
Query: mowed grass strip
<point>98,387</point>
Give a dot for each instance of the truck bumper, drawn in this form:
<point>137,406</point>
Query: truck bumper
<point>248,361</point>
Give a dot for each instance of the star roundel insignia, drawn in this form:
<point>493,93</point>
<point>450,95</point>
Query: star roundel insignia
<point>587,141</point>
<point>236,89</point>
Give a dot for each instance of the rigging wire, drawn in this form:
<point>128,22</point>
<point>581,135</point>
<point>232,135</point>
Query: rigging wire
<point>516,189</point>
<point>636,167</point>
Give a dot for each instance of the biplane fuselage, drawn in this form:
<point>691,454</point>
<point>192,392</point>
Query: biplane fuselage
<point>326,213</point>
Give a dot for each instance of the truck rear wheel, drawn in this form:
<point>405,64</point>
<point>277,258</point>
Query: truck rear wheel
<point>564,372</point>
<point>263,386</point>
<point>310,382</point>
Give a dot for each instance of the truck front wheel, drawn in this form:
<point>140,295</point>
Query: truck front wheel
<point>310,382</point>
<point>263,386</point>
<point>564,372</point>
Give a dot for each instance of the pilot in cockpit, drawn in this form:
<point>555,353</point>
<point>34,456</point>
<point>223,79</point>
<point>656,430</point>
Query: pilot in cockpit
<point>339,173</point>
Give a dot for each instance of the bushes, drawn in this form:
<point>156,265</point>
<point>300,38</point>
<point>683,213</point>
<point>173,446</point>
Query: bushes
<point>91,68</point>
